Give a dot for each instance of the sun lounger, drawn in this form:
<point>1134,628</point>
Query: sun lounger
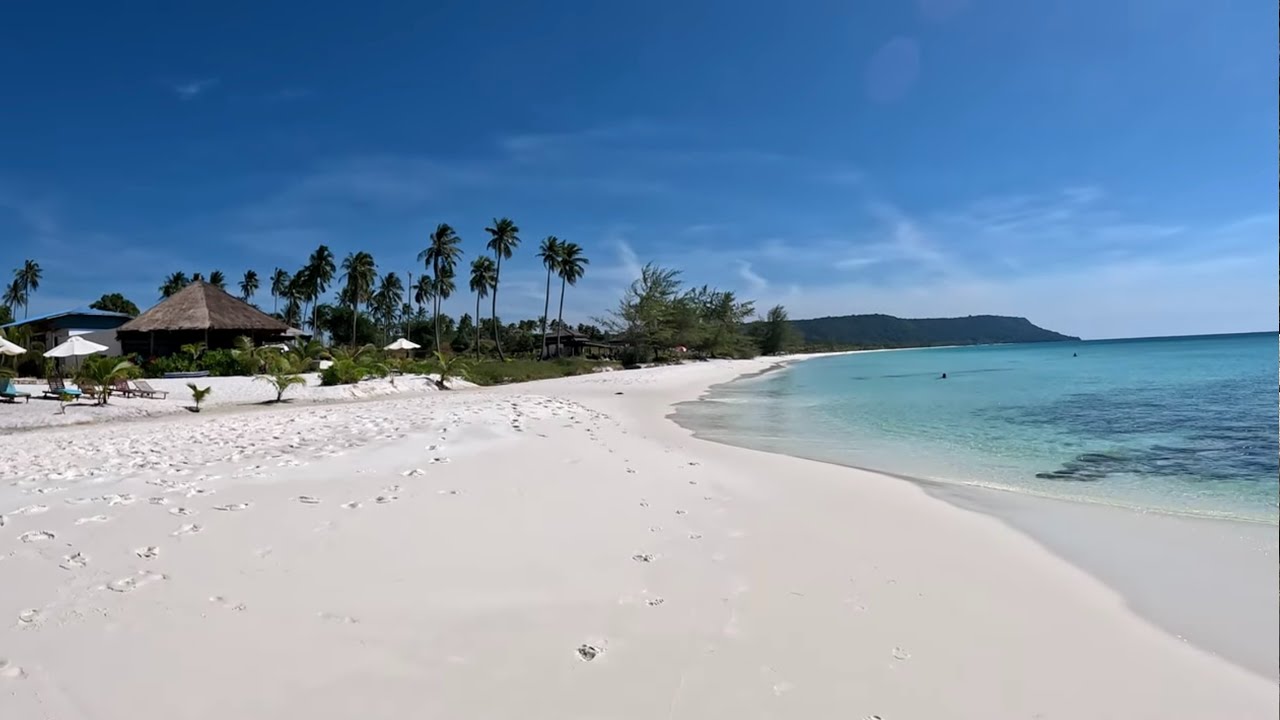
<point>143,388</point>
<point>58,388</point>
<point>10,393</point>
<point>121,387</point>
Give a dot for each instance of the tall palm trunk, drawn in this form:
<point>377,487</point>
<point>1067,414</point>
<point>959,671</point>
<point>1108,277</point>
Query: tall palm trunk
<point>435,301</point>
<point>497,273</point>
<point>355,315</point>
<point>477,326</point>
<point>546,310</point>
<point>560,318</point>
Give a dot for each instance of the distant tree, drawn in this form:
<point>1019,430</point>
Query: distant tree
<point>440,257</point>
<point>774,334</point>
<point>591,331</point>
<point>462,338</point>
<point>248,285</point>
<point>320,271</point>
<point>386,301</point>
<point>504,236</point>
<point>218,280</point>
<point>549,254</point>
<point>14,296</point>
<point>279,283</point>
<point>197,277</point>
<point>115,302</point>
<point>359,274</point>
<point>172,284</point>
<point>646,316</point>
<point>6,315</point>
<point>570,266</point>
<point>484,278</point>
<point>28,277</point>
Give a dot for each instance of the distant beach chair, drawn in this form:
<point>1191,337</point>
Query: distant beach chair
<point>10,393</point>
<point>58,388</point>
<point>143,388</point>
<point>121,387</point>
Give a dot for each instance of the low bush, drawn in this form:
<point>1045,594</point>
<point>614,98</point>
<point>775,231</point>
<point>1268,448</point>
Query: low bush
<point>496,372</point>
<point>342,372</point>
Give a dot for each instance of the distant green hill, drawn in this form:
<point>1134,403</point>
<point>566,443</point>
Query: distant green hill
<point>888,331</point>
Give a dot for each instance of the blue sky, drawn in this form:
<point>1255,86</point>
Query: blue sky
<point>1105,168</point>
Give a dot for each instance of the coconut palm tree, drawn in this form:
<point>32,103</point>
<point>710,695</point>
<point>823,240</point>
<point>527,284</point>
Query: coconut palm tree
<point>320,272</point>
<point>359,272</point>
<point>570,266</point>
<point>174,283</point>
<point>423,292</point>
<point>218,280</point>
<point>484,277</point>
<point>549,254</point>
<point>14,295</point>
<point>28,276</point>
<point>504,236</point>
<point>279,283</point>
<point>248,285</point>
<point>441,254</point>
<point>387,299</point>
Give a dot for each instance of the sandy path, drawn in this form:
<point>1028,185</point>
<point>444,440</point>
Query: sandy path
<point>555,550</point>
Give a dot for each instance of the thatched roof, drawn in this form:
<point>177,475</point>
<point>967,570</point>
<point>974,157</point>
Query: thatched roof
<point>201,306</point>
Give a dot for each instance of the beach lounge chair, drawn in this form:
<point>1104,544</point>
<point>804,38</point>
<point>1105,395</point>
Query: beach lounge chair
<point>121,387</point>
<point>58,388</point>
<point>10,393</point>
<point>143,388</point>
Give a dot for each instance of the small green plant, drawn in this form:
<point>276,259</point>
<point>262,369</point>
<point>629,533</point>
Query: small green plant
<point>449,367</point>
<point>282,380</point>
<point>198,394</point>
<point>102,373</point>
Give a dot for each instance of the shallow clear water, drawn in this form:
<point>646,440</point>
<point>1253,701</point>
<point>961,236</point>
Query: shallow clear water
<point>1175,424</point>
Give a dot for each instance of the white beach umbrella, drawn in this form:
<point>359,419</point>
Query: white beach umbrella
<point>402,344</point>
<point>9,348</point>
<point>74,347</point>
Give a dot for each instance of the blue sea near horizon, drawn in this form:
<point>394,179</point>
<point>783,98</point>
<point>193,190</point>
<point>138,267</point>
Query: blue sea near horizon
<point>1185,425</point>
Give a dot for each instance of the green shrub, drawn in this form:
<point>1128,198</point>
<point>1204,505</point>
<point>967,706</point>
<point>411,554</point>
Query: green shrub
<point>631,356</point>
<point>496,372</point>
<point>157,367</point>
<point>342,372</point>
<point>221,363</point>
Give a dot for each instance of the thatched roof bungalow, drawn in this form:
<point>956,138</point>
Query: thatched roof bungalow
<point>198,313</point>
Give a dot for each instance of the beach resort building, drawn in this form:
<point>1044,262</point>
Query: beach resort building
<point>199,313</point>
<point>98,326</point>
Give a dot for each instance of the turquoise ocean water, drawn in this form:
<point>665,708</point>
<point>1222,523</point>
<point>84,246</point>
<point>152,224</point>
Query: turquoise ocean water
<point>1185,425</point>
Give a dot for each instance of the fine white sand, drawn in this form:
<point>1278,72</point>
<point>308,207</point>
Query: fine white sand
<point>43,412</point>
<point>550,550</point>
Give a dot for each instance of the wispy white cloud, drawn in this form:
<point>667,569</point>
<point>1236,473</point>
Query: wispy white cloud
<point>755,282</point>
<point>192,89</point>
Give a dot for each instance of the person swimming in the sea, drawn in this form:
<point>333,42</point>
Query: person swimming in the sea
<point>944,376</point>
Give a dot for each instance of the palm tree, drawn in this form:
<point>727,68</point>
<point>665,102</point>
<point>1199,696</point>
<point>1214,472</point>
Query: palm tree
<point>359,272</point>
<point>503,239</point>
<point>14,295</point>
<point>549,254</point>
<point>440,256</point>
<point>484,276</point>
<point>279,282</point>
<point>320,271</point>
<point>387,299</point>
<point>197,277</point>
<point>174,283</point>
<point>218,280</point>
<point>248,285</point>
<point>29,277</point>
<point>571,266</point>
<point>423,291</point>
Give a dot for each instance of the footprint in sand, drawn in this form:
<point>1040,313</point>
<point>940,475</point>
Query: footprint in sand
<point>440,461</point>
<point>339,619</point>
<point>391,489</point>
<point>149,552</point>
<point>156,500</point>
<point>227,604</point>
<point>642,557</point>
<point>446,492</point>
<point>308,500</point>
<point>354,504</point>
<point>197,492</point>
<point>188,529</point>
<point>29,617</point>
<point>654,602</point>
<point>36,536</point>
<point>695,536</point>
<point>181,511</point>
<point>92,519</point>
<point>133,582</point>
<point>415,472</point>
<point>233,507</point>
<point>9,671</point>
<point>644,504</point>
<point>31,510</point>
<point>900,654</point>
<point>122,499</point>
<point>78,500</point>
<point>587,653</point>
<point>384,499</point>
<point>682,512</point>
<point>73,561</point>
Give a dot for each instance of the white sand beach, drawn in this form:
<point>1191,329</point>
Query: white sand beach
<point>550,550</point>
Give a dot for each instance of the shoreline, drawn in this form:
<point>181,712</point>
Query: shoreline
<point>1225,626</point>
<point>562,539</point>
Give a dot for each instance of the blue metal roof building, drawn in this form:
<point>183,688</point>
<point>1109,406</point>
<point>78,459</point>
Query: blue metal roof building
<point>83,318</point>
